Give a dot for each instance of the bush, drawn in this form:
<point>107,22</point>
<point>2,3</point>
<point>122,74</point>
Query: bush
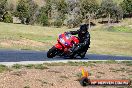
<point>74,22</point>
<point>2,8</point>
<point>26,11</point>
<point>58,23</point>
<point>42,18</point>
<point>7,17</point>
<point>17,66</point>
<point>3,68</point>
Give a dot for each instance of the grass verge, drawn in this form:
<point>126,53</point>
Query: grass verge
<point>70,63</point>
<point>27,37</point>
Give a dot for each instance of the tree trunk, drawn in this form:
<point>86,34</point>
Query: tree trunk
<point>89,21</point>
<point>109,20</point>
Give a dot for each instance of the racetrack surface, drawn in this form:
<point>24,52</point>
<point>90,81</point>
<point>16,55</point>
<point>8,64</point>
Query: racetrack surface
<point>9,57</point>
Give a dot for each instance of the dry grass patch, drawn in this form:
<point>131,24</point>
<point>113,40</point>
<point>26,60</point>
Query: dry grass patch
<point>60,76</point>
<point>21,42</point>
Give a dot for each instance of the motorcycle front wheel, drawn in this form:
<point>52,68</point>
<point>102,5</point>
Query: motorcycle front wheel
<point>52,52</point>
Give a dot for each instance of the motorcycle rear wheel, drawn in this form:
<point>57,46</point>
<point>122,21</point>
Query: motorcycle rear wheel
<point>82,55</point>
<point>52,52</point>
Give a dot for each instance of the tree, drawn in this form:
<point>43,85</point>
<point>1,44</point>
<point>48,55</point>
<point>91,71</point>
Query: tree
<point>11,5</point>
<point>73,16</point>
<point>26,10</point>
<point>72,4</point>
<point>127,7</point>
<point>89,9</point>
<point>42,18</point>
<point>48,7</point>
<point>111,10</point>
<point>33,10</point>
<point>2,8</point>
<point>7,17</point>
<point>61,6</point>
<point>117,13</point>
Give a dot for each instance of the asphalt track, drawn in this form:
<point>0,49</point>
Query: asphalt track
<point>9,57</point>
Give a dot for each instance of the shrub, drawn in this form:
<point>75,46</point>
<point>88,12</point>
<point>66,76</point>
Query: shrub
<point>7,17</point>
<point>58,23</point>
<point>26,11</point>
<point>40,66</point>
<point>42,18</point>
<point>73,22</point>
<point>17,66</point>
<point>3,68</point>
<point>2,8</point>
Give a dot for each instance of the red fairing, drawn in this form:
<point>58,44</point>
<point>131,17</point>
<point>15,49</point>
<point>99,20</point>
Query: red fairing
<point>66,41</point>
<point>75,39</point>
<point>58,46</point>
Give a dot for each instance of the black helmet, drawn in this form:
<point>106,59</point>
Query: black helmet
<point>84,28</point>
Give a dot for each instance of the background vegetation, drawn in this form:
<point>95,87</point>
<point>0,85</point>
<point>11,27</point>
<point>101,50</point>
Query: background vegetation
<point>64,12</point>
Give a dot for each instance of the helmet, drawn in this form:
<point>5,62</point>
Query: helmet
<point>83,28</point>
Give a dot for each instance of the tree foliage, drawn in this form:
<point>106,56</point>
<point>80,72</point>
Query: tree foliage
<point>89,6</point>
<point>127,7</point>
<point>62,9</point>
<point>7,17</point>
<point>26,10</point>
<point>89,10</point>
<point>42,18</point>
<point>2,8</point>
<point>110,9</point>
<point>61,6</point>
<point>59,12</point>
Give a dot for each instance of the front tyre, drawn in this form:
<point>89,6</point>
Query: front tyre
<point>52,52</point>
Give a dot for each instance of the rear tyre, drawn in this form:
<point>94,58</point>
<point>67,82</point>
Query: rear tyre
<point>72,57</point>
<point>52,52</point>
<point>82,55</point>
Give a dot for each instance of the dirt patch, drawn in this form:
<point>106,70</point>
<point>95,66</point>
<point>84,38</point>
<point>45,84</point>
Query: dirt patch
<point>61,76</point>
<point>21,42</point>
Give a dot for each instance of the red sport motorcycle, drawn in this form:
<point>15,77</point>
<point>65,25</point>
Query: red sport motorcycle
<point>66,43</point>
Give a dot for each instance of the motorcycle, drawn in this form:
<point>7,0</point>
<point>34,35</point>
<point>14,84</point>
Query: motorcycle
<point>66,43</point>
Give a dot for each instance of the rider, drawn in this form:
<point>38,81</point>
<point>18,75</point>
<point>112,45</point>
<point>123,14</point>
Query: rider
<point>84,39</point>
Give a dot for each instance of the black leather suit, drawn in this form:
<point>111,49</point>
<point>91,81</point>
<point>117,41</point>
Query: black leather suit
<point>84,38</point>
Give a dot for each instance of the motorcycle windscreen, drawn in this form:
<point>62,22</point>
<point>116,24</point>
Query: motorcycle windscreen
<point>65,39</point>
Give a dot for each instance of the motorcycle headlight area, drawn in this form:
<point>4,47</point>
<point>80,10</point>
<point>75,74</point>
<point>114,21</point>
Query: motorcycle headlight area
<point>62,41</point>
<point>68,36</point>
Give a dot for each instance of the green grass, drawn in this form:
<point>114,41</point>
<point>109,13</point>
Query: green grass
<point>119,29</point>
<point>89,63</point>
<point>127,63</point>
<point>17,66</point>
<point>47,65</point>
<point>116,1</point>
<point>102,41</point>
<point>30,66</point>
<point>113,43</point>
<point>3,68</point>
<point>40,66</point>
<point>70,63</point>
